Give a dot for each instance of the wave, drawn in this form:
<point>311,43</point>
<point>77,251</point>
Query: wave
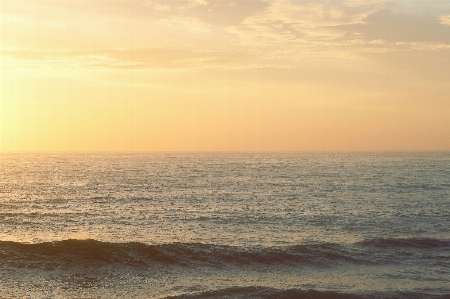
<point>91,253</point>
<point>408,243</point>
<point>72,253</point>
<point>270,293</point>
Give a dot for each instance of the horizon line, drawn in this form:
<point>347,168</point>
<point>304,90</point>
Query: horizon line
<point>225,152</point>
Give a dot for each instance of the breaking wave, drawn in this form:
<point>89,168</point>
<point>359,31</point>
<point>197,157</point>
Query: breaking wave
<point>71,253</point>
<point>270,293</point>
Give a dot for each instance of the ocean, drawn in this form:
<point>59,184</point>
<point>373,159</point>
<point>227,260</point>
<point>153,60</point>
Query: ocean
<point>225,225</point>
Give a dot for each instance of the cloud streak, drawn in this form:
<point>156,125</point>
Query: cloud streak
<point>216,33</point>
<point>142,58</point>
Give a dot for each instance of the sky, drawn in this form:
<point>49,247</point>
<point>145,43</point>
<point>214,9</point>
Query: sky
<point>215,75</point>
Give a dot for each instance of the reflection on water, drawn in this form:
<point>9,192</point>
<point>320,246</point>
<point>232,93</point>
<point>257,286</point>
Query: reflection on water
<point>355,208</point>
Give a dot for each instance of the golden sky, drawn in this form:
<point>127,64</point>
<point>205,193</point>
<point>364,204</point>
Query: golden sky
<point>215,75</point>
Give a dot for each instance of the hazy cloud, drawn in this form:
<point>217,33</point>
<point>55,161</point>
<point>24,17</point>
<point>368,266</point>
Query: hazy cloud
<point>305,21</point>
<point>297,28</point>
<point>401,27</point>
<point>344,29</point>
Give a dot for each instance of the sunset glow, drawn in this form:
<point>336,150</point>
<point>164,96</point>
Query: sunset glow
<point>213,75</point>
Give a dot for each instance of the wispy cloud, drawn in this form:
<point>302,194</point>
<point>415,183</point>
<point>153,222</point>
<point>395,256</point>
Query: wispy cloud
<point>158,6</point>
<point>445,20</point>
<point>346,29</point>
<point>301,29</point>
<point>142,58</point>
<point>194,3</point>
<point>190,23</point>
<point>306,21</point>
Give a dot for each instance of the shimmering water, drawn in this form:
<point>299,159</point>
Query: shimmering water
<point>250,225</point>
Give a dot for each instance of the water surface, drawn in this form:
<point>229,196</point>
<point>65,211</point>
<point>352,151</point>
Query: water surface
<point>250,225</point>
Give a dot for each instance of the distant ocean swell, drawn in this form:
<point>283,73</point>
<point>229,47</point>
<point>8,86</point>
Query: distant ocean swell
<point>270,293</point>
<point>69,254</point>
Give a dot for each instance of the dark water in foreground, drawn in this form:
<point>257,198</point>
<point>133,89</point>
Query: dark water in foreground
<point>373,225</point>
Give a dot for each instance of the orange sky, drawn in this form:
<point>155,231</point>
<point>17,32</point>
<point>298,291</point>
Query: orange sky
<point>214,75</point>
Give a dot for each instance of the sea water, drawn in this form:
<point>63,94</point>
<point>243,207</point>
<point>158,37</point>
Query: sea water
<point>225,225</point>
